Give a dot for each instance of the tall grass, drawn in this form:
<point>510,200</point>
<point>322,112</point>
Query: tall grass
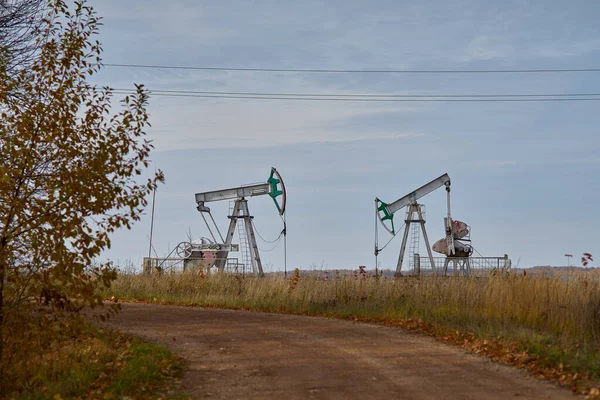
<point>543,313</point>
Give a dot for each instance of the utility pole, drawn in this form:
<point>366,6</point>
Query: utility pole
<point>152,224</point>
<point>568,259</point>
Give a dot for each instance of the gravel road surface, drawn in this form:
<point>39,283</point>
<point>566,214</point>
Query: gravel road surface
<point>251,355</point>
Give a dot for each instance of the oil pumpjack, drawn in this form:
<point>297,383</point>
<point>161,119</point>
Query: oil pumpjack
<point>451,245</point>
<point>273,187</point>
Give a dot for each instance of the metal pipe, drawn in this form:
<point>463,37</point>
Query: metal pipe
<point>448,202</point>
<point>208,226</point>
<point>376,239</point>
<point>217,227</point>
<point>285,245</point>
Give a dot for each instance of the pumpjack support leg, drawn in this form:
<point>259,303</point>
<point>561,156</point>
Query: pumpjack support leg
<point>414,209</point>
<point>240,211</point>
<point>222,255</point>
<point>420,213</point>
<point>402,250</point>
<point>254,253</point>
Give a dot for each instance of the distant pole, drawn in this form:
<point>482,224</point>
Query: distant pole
<point>376,241</point>
<point>152,224</point>
<point>285,245</point>
<point>568,259</point>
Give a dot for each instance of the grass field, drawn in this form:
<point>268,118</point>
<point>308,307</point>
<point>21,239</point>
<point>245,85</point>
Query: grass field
<point>550,325</point>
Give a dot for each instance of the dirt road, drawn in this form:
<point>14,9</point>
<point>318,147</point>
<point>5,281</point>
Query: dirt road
<point>248,355</point>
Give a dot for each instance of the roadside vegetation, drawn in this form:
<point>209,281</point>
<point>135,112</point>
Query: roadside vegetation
<point>81,361</point>
<point>550,325</point>
<point>71,167</point>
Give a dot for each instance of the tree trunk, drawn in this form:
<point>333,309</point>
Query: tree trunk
<point>3,267</point>
<point>2,276</point>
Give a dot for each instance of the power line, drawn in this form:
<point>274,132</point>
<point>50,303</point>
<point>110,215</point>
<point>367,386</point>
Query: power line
<point>356,71</point>
<point>363,99</point>
<point>392,95</point>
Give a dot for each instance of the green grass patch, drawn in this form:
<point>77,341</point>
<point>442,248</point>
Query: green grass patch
<point>98,364</point>
<point>146,369</point>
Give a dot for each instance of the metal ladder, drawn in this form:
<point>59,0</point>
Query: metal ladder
<point>413,247</point>
<point>244,247</point>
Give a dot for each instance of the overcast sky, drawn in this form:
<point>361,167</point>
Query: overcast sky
<point>524,174</point>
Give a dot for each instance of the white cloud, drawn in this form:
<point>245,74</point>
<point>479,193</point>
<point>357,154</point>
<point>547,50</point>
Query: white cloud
<point>375,136</point>
<point>493,164</point>
<point>202,123</point>
<point>483,47</point>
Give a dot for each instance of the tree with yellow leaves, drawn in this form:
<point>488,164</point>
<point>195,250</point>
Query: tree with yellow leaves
<point>71,171</point>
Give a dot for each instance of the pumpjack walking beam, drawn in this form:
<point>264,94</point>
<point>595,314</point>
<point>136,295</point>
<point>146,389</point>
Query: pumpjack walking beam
<point>274,187</point>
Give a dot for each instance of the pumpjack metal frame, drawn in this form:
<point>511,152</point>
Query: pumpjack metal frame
<point>274,187</point>
<point>240,211</point>
<point>385,212</point>
<point>413,208</point>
